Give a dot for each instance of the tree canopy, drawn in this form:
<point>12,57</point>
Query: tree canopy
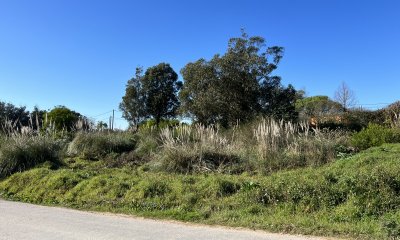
<point>236,86</point>
<point>63,118</point>
<point>317,106</point>
<point>11,114</point>
<point>152,95</point>
<point>133,102</point>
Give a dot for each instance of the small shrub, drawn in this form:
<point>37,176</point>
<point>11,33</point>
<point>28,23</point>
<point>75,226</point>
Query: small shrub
<point>124,159</point>
<point>164,123</point>
<point>147,143</point>
<point>95,145</point>
<point>227,188</point>
<point>392,228</point>
<point>356,120</point>
<point>375,135</point>
<point>155,189</point>
<point>21,152</point>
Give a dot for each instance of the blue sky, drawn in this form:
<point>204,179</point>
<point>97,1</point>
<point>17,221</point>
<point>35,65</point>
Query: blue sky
<point>81,53</point>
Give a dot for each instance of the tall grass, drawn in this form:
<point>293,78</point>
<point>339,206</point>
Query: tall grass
<point>24,147</point>
<point>20,152</point>
<point>95,145</point>
<point>262,147</point>
<point>272,136</point>
<point>273,145</point>
<point>287,145</point>
<point>356,197</point>
<point>198,149</point>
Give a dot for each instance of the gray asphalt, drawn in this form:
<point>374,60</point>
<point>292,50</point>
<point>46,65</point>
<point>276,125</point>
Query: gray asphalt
<point>26,221</point>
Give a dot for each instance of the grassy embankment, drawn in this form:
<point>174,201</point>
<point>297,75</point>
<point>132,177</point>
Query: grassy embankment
<point>358,196</point>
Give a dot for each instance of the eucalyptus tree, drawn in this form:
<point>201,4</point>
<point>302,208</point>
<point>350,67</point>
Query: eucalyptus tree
<point>236,86</point>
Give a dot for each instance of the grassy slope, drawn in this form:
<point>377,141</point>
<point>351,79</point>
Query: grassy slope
<point>356,197</point>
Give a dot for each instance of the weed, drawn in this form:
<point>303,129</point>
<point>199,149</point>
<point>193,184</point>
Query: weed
<point>22,152</point>
<point>94,145</point>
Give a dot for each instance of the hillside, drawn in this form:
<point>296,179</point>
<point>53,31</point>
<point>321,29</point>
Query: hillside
<point>356,196</point>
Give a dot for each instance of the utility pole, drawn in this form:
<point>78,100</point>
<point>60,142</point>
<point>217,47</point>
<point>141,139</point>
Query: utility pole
<point>109,123</point>
<point>113,121</point>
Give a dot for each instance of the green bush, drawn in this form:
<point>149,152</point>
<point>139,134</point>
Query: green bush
<point>19,153</point>
<point>356,120</point>
<point>147,143</point>
<point>95,145</point>
<point>391,225</point>
<point>375,135</point>
<point>163,123</point>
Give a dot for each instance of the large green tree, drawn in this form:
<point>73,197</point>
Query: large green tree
<point>13,116</point>
<point>63,118</point>
<point>279,102</point>
<point>133,102</point>
<point>153,95</point>
<point>237,85</point>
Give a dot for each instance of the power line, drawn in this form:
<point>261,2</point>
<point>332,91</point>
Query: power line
<point>101,114</point>
<point>102,119</point>
<point>373,104</point>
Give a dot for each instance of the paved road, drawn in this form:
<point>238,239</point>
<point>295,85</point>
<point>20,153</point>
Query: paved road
<point>26,221</point>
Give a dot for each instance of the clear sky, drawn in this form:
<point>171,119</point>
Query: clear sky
<point>81,53</point>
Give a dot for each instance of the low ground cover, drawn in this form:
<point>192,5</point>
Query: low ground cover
<point>356,196</point>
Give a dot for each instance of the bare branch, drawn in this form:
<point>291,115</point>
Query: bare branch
<point>345,96</point>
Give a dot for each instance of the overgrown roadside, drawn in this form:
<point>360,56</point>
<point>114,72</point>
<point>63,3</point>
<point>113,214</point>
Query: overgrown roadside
<point>354,197</point>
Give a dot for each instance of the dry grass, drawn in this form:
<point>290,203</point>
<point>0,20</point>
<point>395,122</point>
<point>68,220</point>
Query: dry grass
<point>197,149</point>
<point>20,152</point>
<point>273,145</point>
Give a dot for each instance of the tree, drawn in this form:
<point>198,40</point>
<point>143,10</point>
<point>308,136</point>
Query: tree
<point>101,126</point>
<point>279,102</point>
<point>153,94</point>
<point>317,106</point>
<point>63,118</point>
<point>235,86</point>
<point>13,116</point>
<point>133,102</point>
<point>201,95</point>
<point>160,87</point>
<point>37,118</point>
<point>345,96</point>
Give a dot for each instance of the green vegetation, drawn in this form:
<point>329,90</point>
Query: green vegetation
<point>270,146</point>
<point>354,197</point>
<point>22,152</point>
<point>272,175</point>
<point>317,106</point>
<point>10,113</point>
<point>62,118</point>
<point>233,164</point>
<point>94,145</point>
<point>238,85</point>
<point>375,135</point>
<point>153,94</point>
